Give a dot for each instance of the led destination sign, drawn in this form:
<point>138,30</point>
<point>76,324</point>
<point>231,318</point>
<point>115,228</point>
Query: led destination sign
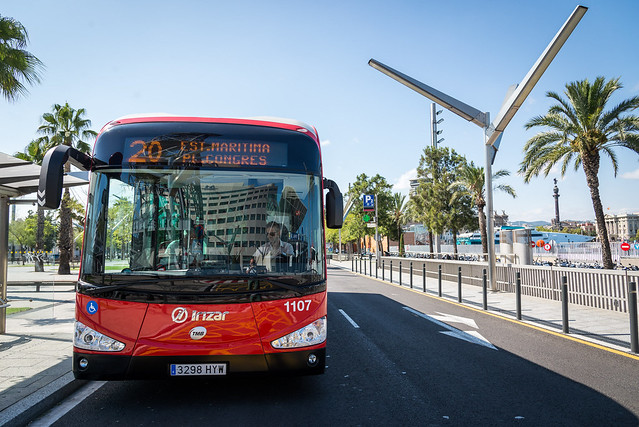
<point>205,151</point>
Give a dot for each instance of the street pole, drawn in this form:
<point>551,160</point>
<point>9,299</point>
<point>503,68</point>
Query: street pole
<point>433,125</point>
<point>490,227</point>
<point>433,142</point>
<point>377,253</point>
<point>4,247</point>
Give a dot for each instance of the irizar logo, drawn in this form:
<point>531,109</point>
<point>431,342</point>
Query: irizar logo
<point>181,315</point>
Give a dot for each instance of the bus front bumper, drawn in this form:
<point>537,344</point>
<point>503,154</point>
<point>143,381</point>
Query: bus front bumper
<point>93,366</point>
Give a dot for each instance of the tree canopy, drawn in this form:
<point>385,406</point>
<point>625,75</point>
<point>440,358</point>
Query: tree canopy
<point>17,65</point>
<point>579,131</point>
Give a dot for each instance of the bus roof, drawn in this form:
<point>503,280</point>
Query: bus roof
<point>255,121</point>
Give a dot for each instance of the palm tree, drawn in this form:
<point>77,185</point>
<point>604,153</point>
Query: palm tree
<point>67,126</point>
<point>16,64</point>
<point>580,130</point>
<point>34,152</point>
<point>399,216</point>
<point>471,182</point>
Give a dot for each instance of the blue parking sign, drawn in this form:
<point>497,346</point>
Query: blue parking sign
<point>369,202</point>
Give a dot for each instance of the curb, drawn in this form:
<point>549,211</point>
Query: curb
<point>29,408</point>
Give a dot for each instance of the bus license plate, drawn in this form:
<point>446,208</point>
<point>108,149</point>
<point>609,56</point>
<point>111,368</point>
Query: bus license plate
<point>185,369</point>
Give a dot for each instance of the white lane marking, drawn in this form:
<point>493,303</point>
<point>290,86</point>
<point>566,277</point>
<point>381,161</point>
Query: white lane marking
<point>355,325</point>
<point>74,400</point>
<point>455,319</point>
<point>470,336</point>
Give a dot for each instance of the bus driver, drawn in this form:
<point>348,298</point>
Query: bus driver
<point>274,250</point>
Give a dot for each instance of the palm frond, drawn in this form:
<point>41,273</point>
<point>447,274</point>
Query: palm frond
<point>613,158</point>
<point>615,113</point>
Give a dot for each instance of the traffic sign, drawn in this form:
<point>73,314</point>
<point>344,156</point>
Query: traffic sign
<point>547,247</point>
<point>637,246</point>
<point>366,217</point>
<point>369,202</point>
<point>625,246</point>
<point>371,225</point>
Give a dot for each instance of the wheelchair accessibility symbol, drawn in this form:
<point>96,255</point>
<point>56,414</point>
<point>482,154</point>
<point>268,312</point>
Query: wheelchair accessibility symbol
<point>92,307</point>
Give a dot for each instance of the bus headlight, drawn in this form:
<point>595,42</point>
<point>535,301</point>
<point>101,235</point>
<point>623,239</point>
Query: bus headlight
<point>311,334</point>
<point>88,339</point>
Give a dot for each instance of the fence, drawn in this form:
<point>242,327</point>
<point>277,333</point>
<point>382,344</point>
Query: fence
<point>571,251</point>
<point>588,252</point>
<point>605,289</point>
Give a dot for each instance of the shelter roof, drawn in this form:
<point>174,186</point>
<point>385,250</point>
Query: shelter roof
<point>20,177</point>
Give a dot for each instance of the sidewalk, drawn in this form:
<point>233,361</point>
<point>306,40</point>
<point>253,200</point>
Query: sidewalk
<point>35,351</point>
<point>604,327</point>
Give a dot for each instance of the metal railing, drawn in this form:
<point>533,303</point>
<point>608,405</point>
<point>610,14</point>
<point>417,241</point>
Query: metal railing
<point>605,289</point>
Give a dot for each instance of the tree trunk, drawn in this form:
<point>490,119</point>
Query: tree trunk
<point>39,247</point>
<point>590,163</point>
<point>454,243</point>
<point>482,230</point>
<point>64,241</point>
<point>430,240</point>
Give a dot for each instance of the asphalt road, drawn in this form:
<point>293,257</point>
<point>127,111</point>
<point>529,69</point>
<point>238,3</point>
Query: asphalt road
<point>399,358</point>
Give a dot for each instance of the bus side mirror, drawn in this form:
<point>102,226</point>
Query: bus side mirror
<point>52,173</point>
<point>334,205</point>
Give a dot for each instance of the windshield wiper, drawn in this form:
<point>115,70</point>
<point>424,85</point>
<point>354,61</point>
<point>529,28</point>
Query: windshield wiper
<point>91,288</point>
<point>283,285</point>
<point>280,284</point>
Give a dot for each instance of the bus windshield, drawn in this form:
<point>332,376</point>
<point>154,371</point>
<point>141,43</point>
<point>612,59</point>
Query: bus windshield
<point>203,223</point>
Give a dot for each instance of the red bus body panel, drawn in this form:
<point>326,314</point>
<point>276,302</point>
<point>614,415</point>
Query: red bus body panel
<point>241,330</point>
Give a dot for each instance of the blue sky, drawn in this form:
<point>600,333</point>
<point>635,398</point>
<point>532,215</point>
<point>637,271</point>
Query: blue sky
<point>308,61</point>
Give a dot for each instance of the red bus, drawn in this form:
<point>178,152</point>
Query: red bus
<point>203,250</point>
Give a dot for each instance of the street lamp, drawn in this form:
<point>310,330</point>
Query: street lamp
<point>492,131</point>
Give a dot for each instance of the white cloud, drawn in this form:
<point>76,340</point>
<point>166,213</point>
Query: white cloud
<point>325,142</point>
<point>403,183</point>
<point>631,175</point>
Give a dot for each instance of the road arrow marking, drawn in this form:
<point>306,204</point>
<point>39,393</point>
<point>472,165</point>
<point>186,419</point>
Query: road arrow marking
<point>469,336</point>
<point>448,318</point>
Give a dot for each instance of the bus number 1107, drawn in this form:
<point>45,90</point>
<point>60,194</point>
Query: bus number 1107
<point>295,306</point>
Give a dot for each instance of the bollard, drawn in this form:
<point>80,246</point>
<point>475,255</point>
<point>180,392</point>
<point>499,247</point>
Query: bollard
<point>564,304</point>
<point>518,295</point>
<point>411,274</point>
<point>440,280</point>
<point>391,271</point>
<point>364,267</point>
<point>424,276</point>
<point>352,264</point>
<point>370,266</point>
<point>400,273</point>
<point>459,285</point>
<point>376,268</point>
<point>485,290</point>
<point>632,310</point>
<point>383,270</point>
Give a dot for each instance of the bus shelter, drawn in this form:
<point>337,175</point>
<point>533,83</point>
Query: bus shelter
<point>17,178</point>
